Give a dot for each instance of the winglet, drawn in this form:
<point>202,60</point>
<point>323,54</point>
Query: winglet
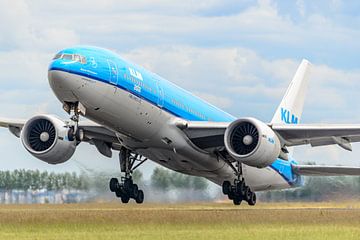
<point>290,109</point>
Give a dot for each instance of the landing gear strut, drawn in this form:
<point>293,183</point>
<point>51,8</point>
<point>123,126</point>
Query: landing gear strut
<point>74,132</point>
<point>239,191</point>
<point>126,188</point>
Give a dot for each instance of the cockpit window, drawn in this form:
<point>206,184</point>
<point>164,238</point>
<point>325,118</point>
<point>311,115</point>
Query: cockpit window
<point>67,56</point>
<point>77,58</point>
<point>72,57</point>
<point>57,56</point>
<point>83,59</point>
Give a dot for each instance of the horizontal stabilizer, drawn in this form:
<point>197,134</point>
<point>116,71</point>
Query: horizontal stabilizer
<point>316,170</point>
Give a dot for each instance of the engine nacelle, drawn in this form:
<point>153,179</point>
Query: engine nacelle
<point>46,138</point>
<point>252,142</point>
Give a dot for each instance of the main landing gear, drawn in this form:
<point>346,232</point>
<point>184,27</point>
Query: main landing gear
<point>125,189</point>
<point>239,191</point>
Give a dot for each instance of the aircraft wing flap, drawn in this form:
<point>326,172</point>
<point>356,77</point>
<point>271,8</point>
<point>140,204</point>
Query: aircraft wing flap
<point>316,170</point>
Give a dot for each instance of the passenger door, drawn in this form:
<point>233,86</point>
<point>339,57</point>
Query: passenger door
<point>160,95</point>
<point>114,74</point>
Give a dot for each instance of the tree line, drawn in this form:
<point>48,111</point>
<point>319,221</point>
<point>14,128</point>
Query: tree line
<point>34,180</point>
<point>318,189</point>
<point>163,181</point>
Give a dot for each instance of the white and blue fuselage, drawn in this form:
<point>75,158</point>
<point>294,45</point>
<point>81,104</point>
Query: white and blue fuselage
<point>140,106</point>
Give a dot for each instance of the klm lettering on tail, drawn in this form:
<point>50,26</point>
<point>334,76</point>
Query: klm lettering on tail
<point>287,117</point>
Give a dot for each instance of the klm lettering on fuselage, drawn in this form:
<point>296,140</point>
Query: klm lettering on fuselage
<point>287,117</point>
<point>135,74</point>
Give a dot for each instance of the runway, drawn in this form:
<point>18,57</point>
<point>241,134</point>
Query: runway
<point>181,221</point>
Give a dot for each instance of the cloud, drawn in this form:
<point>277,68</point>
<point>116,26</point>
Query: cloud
<point>21,29</point>
<point>301,7</point>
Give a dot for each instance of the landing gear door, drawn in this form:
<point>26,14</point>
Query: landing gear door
<point>113,76</point>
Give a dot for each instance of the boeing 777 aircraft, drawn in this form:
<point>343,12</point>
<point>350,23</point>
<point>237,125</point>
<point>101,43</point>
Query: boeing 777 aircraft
<point>143,116</point>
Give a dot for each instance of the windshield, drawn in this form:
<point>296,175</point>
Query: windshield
<point>72,57</point>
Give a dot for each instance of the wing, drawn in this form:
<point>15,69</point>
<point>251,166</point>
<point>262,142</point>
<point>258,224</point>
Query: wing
<point>313,170</point>
<point>207,135</point>
<point>104,139</point>
<point>14,125</point>
<point>319,134</point>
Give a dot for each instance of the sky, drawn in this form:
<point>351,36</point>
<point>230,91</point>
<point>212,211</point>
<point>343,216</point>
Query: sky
<point>239,55</point>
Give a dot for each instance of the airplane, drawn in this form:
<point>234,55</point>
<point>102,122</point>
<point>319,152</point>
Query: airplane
<point>142,116</point>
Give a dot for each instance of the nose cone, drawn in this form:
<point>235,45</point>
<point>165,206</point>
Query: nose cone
<point>63,84</point>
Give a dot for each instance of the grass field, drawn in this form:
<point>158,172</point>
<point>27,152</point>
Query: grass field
<point>186,221</point>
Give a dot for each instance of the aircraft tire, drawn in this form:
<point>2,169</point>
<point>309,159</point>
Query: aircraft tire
<point>231,195</point>
<point>118,193</point>
<point>125,199</point>
<point>114,182</point>
<point>242,188</point>
<point>252,201</point>
<point>237,201</point>
<point>226,187</point>
<point>248,194</point>
<point>140,197</point>
<point>134,191</point>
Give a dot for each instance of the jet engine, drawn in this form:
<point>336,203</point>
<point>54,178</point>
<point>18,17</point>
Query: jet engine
<point>46,138</point>
<point>252,142</point>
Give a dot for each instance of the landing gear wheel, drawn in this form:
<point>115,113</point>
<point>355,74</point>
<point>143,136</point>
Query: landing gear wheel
<point>252,200</point>
<point>134,191</point>
<point>248,194</point>
<point>118,193</point>
<point>113,184</point>
<point>125,199</point>
<point>226,187</point>
<point>140,197</point>
<point>128,184</point>
<point>231,195</point>
<point>242,188</point>
<point>237,201</point>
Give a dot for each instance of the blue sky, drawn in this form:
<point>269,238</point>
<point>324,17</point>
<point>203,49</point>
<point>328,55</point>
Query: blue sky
<point>238,55</point>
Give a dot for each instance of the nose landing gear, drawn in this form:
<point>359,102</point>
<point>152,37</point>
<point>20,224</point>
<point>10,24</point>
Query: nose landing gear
<point>74,109</point>
<point>125,189</point>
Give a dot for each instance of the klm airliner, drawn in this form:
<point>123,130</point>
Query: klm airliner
<point>142,116</point>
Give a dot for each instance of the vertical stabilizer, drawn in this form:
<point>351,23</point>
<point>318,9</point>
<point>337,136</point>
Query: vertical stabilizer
<point>291,106</point>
